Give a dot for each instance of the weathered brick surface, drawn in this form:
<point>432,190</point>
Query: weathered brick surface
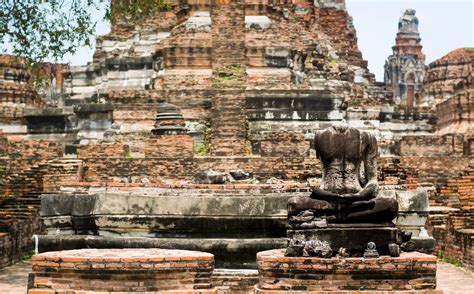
<point>123,270</point>
<point>452,227</point>
<point>103,150</point>
<point>409,272</point>
<point>169,146</point>
<point>102,169</point>
<point>449,83</point>
<point>15,86</point>
<point>447,145</point>
<point>335,24</point>
<point>284,144</point>
<point>23,180</point>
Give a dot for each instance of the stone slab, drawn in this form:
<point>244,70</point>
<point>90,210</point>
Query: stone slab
<point>228,252</point>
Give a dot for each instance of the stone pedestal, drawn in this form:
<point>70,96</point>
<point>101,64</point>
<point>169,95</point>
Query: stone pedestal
<point>353,237</point>
<point>122,270</point>
<point>410,273</point>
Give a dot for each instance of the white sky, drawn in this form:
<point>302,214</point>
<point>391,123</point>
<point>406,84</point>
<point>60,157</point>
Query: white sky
<point>444,26</point>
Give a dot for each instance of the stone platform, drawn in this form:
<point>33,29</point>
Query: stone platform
<point>122,270</point>
<point>409,273</point>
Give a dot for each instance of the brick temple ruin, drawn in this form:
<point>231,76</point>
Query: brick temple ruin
<point>190,129</point>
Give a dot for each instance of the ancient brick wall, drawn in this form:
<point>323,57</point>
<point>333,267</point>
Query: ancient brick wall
<point>435,170</point>
<point>15,86</point>
<point>169,146</point>
<point>393,175</point>
<point>31,168</point>
<point>15,234</point>
<point>453,228</point>
<point>155,169</point>
<point>228,116</point>
<point>137,105</point>
<point>337,24</point>
<point>123,270</point>
<point>103,150</point>
<point>449,86</point>
<point>284,144</point>
<point>410,272</point>
<point>447,145</point>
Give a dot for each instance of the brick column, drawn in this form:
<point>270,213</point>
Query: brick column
<point>228,118</point>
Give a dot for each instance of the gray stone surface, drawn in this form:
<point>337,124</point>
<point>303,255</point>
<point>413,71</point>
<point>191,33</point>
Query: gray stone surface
<point>229,252</point>
<point>199,21</point>
<point>257,22</point>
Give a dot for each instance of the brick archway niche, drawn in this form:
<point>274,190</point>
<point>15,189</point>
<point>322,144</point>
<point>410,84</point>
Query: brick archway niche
<point>122,270</point>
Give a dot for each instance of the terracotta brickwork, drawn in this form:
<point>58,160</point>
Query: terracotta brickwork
<point>18,223</point>
<point>409,272</point>
<point>169,146</point>
<point>337,24</point>
<point>185,168</point>
<point>449,86</point>
<point>40,149</point>
<point>122,270</point>
<point>447,145</point>
<point>452,228</point>
<point>104,150</point>
<point>284,144</point>
<point>15,86</point>
<point>228,119</point>
<point>28,169</point>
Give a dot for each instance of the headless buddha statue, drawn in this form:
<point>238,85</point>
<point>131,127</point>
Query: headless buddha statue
<point>349,188</point>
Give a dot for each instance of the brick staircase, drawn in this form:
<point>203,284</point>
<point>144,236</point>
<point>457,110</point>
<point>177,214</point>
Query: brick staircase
<point>228,118</point>
<point>229,123</point>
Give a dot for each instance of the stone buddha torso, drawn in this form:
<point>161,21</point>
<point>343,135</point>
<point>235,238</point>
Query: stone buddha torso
<point>342,151</point>
<point>349,188</point>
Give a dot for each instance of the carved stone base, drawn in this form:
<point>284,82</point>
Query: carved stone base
<point>353,237</point>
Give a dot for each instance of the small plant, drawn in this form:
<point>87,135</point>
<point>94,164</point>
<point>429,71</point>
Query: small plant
<point>440,254</point>
<point>470,49</point>
<point>200,150</point>
<point>129,154</point>
<point>248,149</point>
<point>27,255</point>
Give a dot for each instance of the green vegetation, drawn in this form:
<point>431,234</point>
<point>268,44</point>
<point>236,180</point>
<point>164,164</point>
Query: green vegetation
<point>469,49</point>
<point>455,262</point>
<point>200,150</point>
<point>51,29</point>
<point>132,10</point>
<point>27,255</point>
<point>230,73</point>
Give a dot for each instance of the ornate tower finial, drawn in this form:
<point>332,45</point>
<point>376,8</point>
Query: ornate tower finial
<point>405,68</point>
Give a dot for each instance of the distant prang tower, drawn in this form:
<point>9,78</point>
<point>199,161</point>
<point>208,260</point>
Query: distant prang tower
<point>405,68</point>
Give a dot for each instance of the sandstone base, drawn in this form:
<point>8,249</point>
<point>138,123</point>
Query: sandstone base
<point>409,273</point>
<point>122,270</point>
<point>353,237</point>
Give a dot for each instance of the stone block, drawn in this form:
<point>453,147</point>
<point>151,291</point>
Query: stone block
<point>353,237</point>
<point>261,22</point>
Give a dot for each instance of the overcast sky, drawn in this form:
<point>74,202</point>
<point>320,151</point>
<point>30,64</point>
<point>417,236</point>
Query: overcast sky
<point>444,26</point>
